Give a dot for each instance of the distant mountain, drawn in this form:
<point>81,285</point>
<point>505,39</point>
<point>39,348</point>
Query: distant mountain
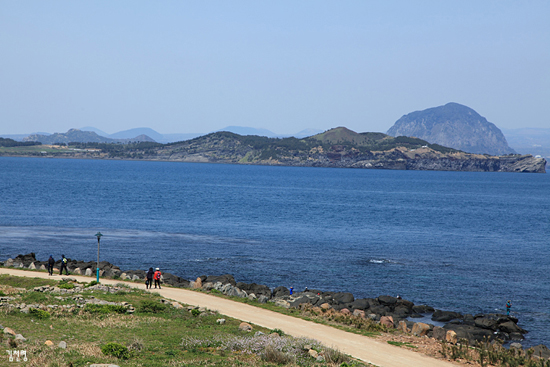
<point>73,135</point>
<point>76,135</point>
<point>95,130</point>
<point>453,125</point>
<point>535,141</point>
<point>132,133</point>
<point>248,131</point>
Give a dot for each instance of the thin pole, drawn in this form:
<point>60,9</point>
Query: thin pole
<point>97,270</point>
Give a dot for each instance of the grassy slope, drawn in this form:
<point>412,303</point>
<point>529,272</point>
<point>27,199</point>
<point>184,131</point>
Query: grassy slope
<point>155,336</point>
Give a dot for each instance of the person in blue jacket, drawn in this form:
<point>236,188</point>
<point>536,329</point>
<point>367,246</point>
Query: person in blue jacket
<point>508,307</point>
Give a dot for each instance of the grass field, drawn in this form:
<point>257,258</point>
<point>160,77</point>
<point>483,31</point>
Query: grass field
<point>154,333</point>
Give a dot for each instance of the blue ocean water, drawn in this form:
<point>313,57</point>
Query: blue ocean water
<point>459,241</point>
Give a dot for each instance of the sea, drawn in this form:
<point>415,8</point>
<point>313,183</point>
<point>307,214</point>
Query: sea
<point>457,241</point>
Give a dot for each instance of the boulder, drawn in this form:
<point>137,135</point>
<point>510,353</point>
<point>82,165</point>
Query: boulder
<point>175,281</point>
<point>445,316</point>
<point>420,329</point>
<point>404,327</point>
<point>299,300</point>
<point>88,272</point>
<point>516,346</point>
<point>343,297</point>
<point>25,260</point>
<point>49,343</point>
<point>439,333</point>
<point>224,279</point>
<point>263,299</point>
<point>280,292</point>
<point>8,263</point>
<point>313,353</point>
<point>387,321</point>
<point>62,345</point>
<point>541,351</point>
<point>77,271</point>
<point>220,321</point>
<point>198,283</point>
<point>325,306</point>
<point>8,330</point>
<point>20,337</point>
<point>245,327</point>
<point>360,304</point>
<point>359,313</point>
<point>257,289</point>
<point>470,333</point>
<point>282,303</point>
<point>511,327</point>
<point>387,300</point>
<point>32,266</point>
<point>451,337</point>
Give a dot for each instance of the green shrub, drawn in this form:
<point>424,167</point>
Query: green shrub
<point>66,285</point>
<point>273,355</point>
<point>335,356</point>
<point>195,312</point>
<point>2,294</point>
<point>277,331</point>
<point>151,306</point>
<point>104,309</point>
<point>92,283</point>
<point>115,350</point>
<point>39,314</point>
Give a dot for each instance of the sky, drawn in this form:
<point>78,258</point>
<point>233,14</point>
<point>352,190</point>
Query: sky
<point>285,66</point>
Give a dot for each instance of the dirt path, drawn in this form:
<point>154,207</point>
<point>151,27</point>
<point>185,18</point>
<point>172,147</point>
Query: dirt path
<point>361,347</point>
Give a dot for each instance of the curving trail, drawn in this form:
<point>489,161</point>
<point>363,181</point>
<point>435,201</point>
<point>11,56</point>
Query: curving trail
<point>361,347</point>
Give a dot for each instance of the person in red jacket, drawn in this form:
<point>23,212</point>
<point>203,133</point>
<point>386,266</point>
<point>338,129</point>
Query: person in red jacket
<point>156,277</point>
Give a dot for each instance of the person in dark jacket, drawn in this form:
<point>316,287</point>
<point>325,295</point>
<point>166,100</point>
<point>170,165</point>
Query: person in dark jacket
<point>64,265</point>
<point>51,263</point>
<point>149,279</point>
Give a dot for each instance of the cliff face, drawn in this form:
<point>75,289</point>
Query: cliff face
<point>455,126</point>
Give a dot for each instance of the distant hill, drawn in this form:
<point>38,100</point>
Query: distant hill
<point>241,130</point>
<point>339,147</point>
<point>76,135</point>
<point>453,125</point>
<point>132,133</point>
<point>95,130</point>
<point>535,141</point>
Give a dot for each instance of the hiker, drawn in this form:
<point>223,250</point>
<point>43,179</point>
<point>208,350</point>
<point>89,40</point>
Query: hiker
<point>508,307</point>
<point>64,265</point>
<point>156,277</point>
<point>149,278</point>
<point>51,263</point>
<point>291,290</point>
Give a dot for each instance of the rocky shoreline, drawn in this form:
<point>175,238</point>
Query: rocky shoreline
<point>393,312</point>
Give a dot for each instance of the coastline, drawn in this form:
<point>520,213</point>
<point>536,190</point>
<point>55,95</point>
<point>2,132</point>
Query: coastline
<point>393,312</point>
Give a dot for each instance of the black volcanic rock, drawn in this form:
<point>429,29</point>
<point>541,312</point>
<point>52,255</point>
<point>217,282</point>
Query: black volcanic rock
<point>453,125</point>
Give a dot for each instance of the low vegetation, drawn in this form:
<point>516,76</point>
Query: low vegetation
<point>131,327</point>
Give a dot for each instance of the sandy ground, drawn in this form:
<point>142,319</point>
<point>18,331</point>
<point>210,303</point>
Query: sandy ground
<point>375,351</point>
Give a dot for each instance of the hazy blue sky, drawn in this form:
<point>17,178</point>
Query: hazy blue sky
<point>188,67</point>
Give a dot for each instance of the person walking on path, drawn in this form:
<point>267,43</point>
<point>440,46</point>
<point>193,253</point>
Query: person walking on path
<point>51,263</point>
<point>64,265</point>
<point>156,277</point>
<point>508,307</point>
<point>149,277</point>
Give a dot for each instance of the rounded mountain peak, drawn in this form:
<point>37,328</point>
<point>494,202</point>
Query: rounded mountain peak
<point>453,125</point>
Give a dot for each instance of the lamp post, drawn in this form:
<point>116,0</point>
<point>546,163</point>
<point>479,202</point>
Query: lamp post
<point>98,235</point>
